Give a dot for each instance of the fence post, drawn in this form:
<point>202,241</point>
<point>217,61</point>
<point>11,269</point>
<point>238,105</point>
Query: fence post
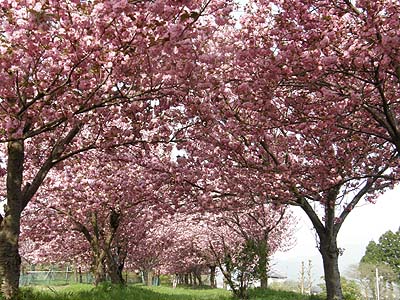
<point>67,274</point>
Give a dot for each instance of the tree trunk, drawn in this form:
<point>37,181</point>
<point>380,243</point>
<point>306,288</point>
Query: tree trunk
<point>327,234</point>
<point>240,291</point>
<point>194,281</point>
<point>150,278</point>
<point>330,255</point>
<point>198,276</point>
<point>10,260</point>
<point>99,270</point>
<point>213,282</point>
<point>114,270</point>
<point>116,276</point>
<point>80,275</point>
<point>17,199</point>
<point>99,275</point>
<point>264,282</point>
<point>262,248</point>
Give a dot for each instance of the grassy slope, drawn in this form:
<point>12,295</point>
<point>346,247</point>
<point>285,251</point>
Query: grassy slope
<point>137,292</point>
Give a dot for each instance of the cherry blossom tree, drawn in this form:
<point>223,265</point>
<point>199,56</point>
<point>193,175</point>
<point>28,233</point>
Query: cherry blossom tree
<point>244,241</point>
<point>271,127</point>
<point>125,212</point>
<point>77,75</point>
<point>151,253</point>
<point>105,196</point>
<point>295,104</point>
<point>321,163</point>
<point>238,242</point>
<point>265,230</point>
<point>340,64</point>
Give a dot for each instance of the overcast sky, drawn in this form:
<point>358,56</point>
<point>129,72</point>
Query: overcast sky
<point>365,223</point>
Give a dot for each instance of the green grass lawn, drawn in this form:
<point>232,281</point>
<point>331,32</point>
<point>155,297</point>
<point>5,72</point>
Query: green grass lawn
<point>139,292</point>
<point>259,294</point>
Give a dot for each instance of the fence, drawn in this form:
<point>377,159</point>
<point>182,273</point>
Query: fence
<point>54,277</point>
<point>64,277</point>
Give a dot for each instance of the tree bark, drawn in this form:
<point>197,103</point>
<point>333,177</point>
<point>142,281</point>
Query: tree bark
<point>10,260</point>
<point>149,278</point>
<point>328,248</point>
<point>262,248</point>
<point>99,269</point>
<point>116,276</point>
<point>114,270</point>
<point>80,275</point>
<point>114,259</point>
<point>213,282</point>
<point>330,255</point>
<point>199,281</point>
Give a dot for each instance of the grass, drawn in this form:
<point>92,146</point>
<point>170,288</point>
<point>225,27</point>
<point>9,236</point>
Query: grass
<point>134,292</point>
<point>139,292</point>
<point>262,294</point>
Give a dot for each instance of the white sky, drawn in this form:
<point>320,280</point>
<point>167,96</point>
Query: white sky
<point>365,223</point>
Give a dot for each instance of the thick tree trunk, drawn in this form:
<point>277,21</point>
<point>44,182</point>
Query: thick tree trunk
<point>329,230</point>
<point>264,281</point>
<point>99,270</point>
<point>327,234</point>
<point>330,255</point>
<point>199,281</point>
<point>263,263</point>
<point>194,278</point>
<point>99,275</point>
<point>10,260</point>
<point>115,271</point>
<point>149,278</point>
<point>115,257</point>
<point>213,282</point>
<point>116,277</point>
<point>80,275</point>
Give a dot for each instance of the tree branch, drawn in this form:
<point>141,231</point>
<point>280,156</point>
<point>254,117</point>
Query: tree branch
<point>366,188</point>
<point>303,203</point>
<point>31,188</point>
<point>79,226</point>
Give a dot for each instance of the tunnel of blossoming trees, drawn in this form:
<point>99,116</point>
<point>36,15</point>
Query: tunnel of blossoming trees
<point>172,137</point>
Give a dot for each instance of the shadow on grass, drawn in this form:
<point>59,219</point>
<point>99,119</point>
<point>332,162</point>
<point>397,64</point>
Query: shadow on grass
<point>195,287</point>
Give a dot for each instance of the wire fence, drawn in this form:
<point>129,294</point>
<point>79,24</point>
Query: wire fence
<point>54,277</point>
<point>65,277</point>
